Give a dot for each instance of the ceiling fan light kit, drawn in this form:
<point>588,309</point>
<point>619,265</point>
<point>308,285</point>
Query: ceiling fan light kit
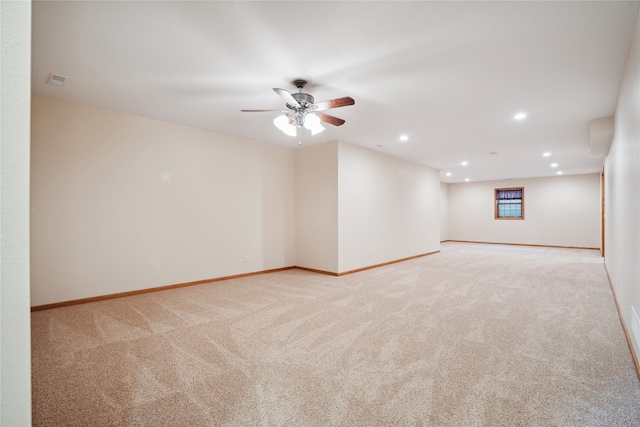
<point>303,111</point>
<point>289,123</point>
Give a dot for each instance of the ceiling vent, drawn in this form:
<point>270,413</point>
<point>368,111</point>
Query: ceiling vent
<point>56,79</point>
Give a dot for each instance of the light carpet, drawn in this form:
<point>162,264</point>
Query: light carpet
<point>477,335</point>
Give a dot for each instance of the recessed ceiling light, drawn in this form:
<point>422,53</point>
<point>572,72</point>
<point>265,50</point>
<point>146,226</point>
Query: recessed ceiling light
<point>559,172</point>
<point>554,165</point>
<point>464,163</point>
<point>466,179</point>
<point>520,116</point>
<point>547,154</point>
<point>448,174</point>
<point>404,138</point>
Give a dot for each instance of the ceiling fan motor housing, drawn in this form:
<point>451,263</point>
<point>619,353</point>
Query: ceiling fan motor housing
<point>304,99</point>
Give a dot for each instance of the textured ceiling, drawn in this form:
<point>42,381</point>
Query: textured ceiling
<point>451,75</point>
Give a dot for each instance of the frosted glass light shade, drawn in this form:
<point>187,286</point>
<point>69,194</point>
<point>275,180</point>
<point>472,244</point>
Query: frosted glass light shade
<point>312,122</point>
<point>282,123</point>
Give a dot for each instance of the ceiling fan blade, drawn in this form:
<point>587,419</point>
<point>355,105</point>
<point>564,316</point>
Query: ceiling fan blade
<point>330,119</point>
<point>257,111</point>
<point>290,100</point>
<point>334,103</point>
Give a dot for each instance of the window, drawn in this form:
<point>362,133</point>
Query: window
<point>509,203</point>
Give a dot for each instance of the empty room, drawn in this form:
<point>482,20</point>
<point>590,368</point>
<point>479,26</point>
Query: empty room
<point>322,213</point>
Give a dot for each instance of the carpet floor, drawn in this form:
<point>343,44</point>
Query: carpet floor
<point>476,335</point>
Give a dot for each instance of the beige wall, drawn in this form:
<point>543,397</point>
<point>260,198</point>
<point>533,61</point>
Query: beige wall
<point>121,203</point>
<point>15,331</point>
<point>622,195</point>
<point>559,211</point>
<point>388,208</point>
<point>356,208</point>
<point>317,207</point>
<point>444,211</point>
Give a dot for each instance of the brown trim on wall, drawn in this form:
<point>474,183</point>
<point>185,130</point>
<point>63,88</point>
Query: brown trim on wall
<point>217,279</point>
<point>624,327</point>
<point>344,273</point>
<point>522,244</point>
<point>602,210</point>
<point>149,290</point>
<point>313,270</point>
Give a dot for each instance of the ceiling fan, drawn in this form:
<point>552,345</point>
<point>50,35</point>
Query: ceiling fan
<point>302,110</point>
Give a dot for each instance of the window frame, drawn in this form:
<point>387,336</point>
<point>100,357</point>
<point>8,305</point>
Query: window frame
<point>495,204</point>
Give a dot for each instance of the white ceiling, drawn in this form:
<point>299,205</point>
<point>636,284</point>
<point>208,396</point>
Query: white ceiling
<point>451,75</point>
